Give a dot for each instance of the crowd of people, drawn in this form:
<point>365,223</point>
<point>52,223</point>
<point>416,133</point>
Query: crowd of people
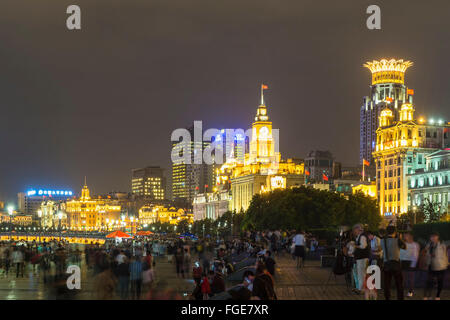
<point>128,269</point>
<point>398,256</point>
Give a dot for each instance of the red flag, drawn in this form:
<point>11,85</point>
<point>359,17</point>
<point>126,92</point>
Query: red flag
<point>324,177</point>
<point>366,163</point>
<point>264,87</point>
<point>410,92</point>
<point>307,172</point>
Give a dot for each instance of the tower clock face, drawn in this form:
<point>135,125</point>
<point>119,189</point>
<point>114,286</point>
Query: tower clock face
<point>263,132</point>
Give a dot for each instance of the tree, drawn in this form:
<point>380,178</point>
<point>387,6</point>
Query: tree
<point>305,208</point>
<point>431,211</point>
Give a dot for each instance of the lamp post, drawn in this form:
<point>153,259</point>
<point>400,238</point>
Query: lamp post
<point>10,213</point>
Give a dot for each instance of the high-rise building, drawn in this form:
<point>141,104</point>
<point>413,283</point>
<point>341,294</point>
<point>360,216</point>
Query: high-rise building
<point>401,149</point>
<point>388,89</point>
<point>148,183</point>
<point>189,179</point>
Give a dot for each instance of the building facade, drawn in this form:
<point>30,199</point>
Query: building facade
<point>211,205</point>
<point>93,214</point>
<point>192,177</point>
<point>262,169</point>
<point>30,201</point>
<point>388,89</point>
<point>401,150</point>
<point>148,183</point>
<point>431,182</point>
<point>319,163</point>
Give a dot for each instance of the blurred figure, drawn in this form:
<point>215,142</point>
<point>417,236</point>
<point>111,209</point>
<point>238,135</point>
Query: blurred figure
<point>135,277</point>
<point>437,261</point>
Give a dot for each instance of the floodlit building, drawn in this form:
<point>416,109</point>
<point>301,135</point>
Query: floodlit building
<point>30,201</point>
<point>431,182</point>
<point>262,169</point>
<point>388,89</point>
<point>211,205</point>
<point>89,214</point>
<point>401,149</point>
<point>152,214</point>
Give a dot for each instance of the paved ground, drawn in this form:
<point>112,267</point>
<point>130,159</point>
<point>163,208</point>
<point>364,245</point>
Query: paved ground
<point>291,283</point>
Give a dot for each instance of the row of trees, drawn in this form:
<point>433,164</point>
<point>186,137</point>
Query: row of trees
<point>307,208</point>
<point>298,208</point>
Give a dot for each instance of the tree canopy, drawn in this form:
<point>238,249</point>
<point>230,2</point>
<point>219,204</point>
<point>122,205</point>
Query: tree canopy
<point>305,208</point>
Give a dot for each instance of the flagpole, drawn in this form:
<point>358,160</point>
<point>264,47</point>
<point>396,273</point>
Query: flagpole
<point>363,174</point>
<point>262,94</point>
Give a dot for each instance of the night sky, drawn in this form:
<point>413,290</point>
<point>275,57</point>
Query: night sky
<point>103,100</point>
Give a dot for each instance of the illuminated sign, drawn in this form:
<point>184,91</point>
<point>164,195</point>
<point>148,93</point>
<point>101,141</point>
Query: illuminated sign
<point>50,193</point>
<point>278,182</point>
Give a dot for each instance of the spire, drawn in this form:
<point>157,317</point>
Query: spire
<point>85,184</point>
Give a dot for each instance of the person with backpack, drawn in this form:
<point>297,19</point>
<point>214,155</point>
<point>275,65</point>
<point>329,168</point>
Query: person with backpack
<point>361,255</point>
<point>263,284</point>
<point>437,261</point>
<point>391,245</point>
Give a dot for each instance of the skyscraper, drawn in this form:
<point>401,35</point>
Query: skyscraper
<point>148,183</point>
<point>189,179</point>
<point>387,90</point>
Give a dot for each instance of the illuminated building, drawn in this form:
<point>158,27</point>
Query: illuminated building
<point>149,183</point>
<point>50,212</point>
<point>152,214</point>
<point>86,213</point>
<point>189,179</point>
<point>366,188</point>
<point>262,170</point>
<point>30,201</point>
<point>431,182</point>
<point>387,90</point>
<point>401,150</point>
<point>211,205</point>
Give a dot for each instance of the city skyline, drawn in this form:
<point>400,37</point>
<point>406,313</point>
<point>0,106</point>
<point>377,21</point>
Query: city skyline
<point>75,126</point>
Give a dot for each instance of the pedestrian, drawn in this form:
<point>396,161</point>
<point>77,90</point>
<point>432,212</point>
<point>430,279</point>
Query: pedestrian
<point>437,261</point>
<point>270,262</point>
<point>299,249</point>
<point>263,284</point>
<point>361,256</point>
<point>123,275</point>
<point>409,258</point>
<point>17,260</point>
<point>391,245</point>
<point>135,277</point>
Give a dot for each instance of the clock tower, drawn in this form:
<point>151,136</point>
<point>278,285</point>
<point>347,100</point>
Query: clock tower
<point>262,149</point>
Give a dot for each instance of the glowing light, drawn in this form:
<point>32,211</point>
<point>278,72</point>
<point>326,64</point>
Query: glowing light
<point>388,71</point>
<point>431,121</point>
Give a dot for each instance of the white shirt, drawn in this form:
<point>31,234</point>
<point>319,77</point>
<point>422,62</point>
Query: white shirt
<point>299,240</point>
<point>411,253</point>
